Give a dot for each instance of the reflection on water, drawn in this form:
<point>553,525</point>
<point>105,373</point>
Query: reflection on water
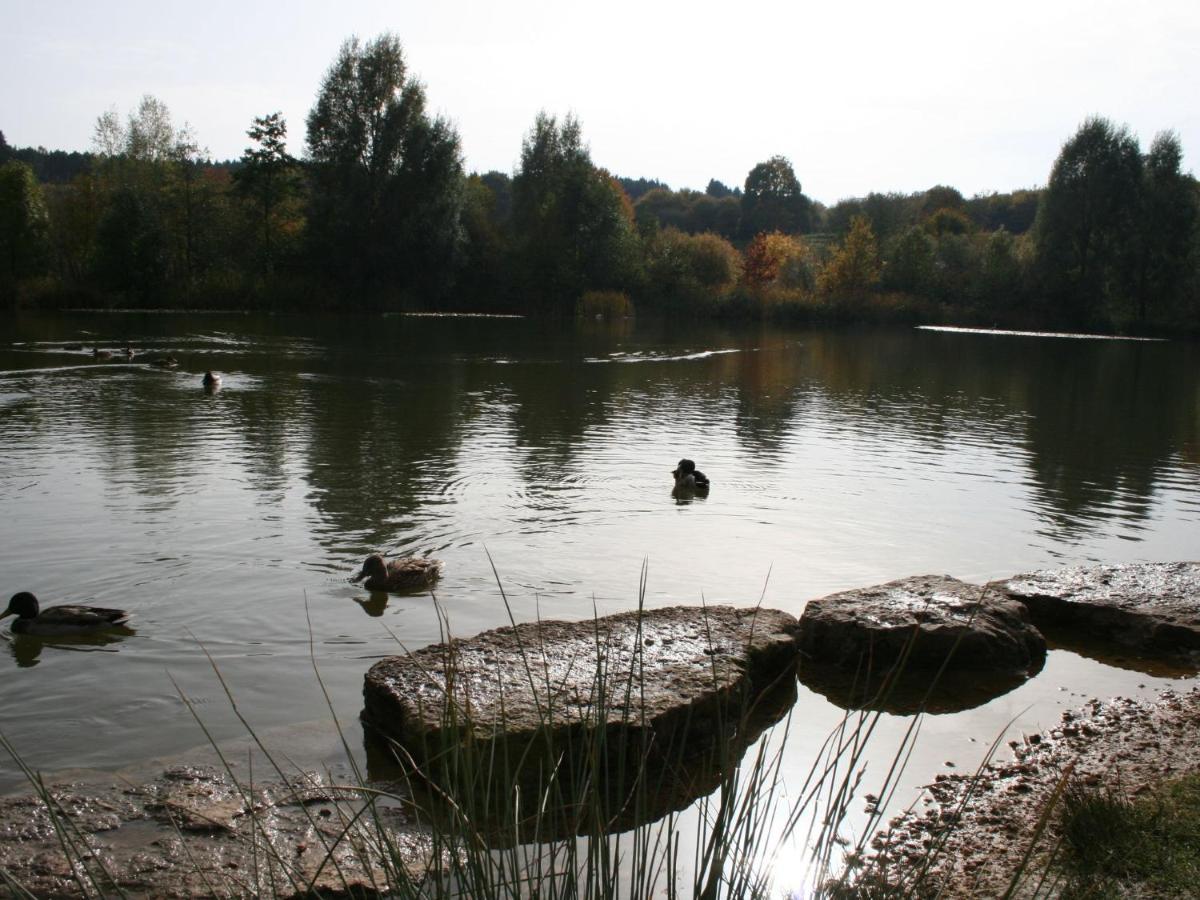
<point>232,521</point>
<point>27,649</point>
<point>904,692</point>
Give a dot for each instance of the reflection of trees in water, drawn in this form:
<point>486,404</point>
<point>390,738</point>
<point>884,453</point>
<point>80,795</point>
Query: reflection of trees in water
<point>1098,421</point>
<point>1104,423</point>
<point>266,421</point>
<point>376,447</point>
<point>377,410</point>
<point>768,378</point>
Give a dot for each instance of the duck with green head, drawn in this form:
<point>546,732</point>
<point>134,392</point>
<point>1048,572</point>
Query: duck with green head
<point>408,574</point>
<point>60,620</point>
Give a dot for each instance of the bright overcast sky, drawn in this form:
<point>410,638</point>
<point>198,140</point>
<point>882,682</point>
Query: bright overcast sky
<point>878,96</point>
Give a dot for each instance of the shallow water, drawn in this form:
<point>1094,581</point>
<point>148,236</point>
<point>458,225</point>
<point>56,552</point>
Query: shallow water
<point>229,523</point>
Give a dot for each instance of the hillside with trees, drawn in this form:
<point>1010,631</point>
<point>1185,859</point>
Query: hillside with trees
<point>378,212</point>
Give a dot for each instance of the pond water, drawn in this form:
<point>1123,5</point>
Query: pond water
<point>229,523</point>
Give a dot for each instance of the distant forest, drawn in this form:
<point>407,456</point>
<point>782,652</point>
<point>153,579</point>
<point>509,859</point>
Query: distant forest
<point>379,213</point>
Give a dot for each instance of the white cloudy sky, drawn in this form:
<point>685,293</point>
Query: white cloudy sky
<point>861,96</point>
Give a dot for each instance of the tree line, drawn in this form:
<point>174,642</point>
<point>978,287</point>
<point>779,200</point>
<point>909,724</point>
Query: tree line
<point>379,212</point>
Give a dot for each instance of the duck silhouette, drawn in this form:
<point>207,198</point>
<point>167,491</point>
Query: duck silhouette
<point>689,479</point>
<point>60,620</point>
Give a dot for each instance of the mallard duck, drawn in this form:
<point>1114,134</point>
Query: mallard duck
<point>129,354</point>
<point>408,574</point>
<point>210,381</point>
<point>164,362</point>
<point>59,620</point>
<point>689,478</point>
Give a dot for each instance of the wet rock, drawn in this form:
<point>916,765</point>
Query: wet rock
<point>649,692</point>
<point>1146,608</point>
<point>923,622</point>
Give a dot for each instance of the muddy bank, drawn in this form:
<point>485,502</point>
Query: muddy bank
<point>193,832</point>
<point>985,828</point>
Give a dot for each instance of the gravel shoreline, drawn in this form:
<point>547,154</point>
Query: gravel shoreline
<point>987,825</point>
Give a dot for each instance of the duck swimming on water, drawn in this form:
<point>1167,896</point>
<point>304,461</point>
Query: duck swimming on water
<point>211,381</point>
<point>60,620</point>
<point>408,574</point>
<point>689,479</point>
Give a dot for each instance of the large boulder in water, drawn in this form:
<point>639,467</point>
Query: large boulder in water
<point>1147,608</point>
<point>621,699</point>
<point>924,622</point>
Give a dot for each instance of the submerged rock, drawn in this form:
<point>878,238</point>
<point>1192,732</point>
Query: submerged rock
<point>1150,608</point>
<point>608,703</point>
<point>195,833</point>
<point>922,622</point>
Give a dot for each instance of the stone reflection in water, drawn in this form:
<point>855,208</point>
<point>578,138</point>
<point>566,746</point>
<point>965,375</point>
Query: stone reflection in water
<point>664,780</point>
<point>908,692</point>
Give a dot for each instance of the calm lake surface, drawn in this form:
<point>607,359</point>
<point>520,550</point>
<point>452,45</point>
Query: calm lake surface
<point>233,521</point>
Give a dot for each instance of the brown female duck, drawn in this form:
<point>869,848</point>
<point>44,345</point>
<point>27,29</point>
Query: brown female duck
<point>408,574</point>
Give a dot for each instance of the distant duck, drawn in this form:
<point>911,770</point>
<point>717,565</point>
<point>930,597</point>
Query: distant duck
<point>164,362</point>
<point>129,354</point>
<point>689,479</point>
<point>101,354</point>
<point>408,574</point>
<point>211,381</point>
<point>60,620</point>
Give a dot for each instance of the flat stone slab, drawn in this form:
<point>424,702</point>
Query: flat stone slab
<point>194,833</point>
<point>1151,608</point>
<point>977,628</point>
<point>661,684</point>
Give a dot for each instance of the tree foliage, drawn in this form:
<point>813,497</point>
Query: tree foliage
<point>388,181</point>
<point>269,179</point>
<point>1086,217</point>
<point>573,224</point>
<point>854,269</point>
<point>24,224</point>
<point>772,200</point>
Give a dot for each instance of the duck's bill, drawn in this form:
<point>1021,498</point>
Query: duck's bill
<point>7,612</point>
<point>360,576</point>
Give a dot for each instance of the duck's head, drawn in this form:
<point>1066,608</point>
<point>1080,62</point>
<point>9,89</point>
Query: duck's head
<point>685,467</point>
<point>374,565</point>
<point>23,605</point>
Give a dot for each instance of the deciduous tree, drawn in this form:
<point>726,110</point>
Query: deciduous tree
<point>1086,217</point>
<point>772,200</point>
<point>854,269</point>
<point>269,180</point>
<point>573,224</point>
<point>24,224</point>
<point>388,181</point>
